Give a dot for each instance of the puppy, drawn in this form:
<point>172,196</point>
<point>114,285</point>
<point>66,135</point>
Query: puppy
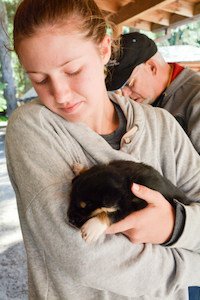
<point>102,195</point>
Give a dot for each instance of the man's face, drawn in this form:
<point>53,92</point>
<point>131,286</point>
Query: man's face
<point>142,86</point>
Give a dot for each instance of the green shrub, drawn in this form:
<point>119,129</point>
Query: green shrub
<point>3,105</point>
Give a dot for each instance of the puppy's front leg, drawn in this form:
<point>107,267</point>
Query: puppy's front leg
<point>95,227</point>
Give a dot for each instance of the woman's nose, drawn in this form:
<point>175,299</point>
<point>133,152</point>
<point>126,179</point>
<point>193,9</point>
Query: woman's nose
<point>61,92</point>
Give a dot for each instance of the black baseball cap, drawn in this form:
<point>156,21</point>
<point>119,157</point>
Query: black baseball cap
<point>135,48</point>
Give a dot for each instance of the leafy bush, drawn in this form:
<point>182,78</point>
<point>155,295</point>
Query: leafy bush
<point>3,105</point>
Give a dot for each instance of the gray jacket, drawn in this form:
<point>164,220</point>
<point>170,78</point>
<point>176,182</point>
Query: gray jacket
<point>182,100</point>
<point>41,149</point>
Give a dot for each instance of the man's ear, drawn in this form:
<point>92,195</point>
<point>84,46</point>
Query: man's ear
<point>152,66</point>
<point>105,49</point>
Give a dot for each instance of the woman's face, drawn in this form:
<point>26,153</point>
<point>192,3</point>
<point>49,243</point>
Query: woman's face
<point>67,72</point>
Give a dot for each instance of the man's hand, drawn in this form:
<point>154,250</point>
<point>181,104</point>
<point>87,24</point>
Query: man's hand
<point>154,224</point>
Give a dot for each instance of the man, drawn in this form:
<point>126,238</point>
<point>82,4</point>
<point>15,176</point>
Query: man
<point>143,75</point>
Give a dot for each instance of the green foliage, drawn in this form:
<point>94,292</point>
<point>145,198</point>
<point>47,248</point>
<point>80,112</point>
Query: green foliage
<point>184,35</point>
<point>21,79</point>
<point>2,99</point>
<point>3,118</point>
<point>11,6</point>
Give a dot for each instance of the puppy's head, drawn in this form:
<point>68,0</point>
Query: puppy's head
<point>96,190</point>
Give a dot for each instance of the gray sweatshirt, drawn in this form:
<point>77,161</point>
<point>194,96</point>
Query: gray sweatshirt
<point>182,100</point>
<point>41,149</point>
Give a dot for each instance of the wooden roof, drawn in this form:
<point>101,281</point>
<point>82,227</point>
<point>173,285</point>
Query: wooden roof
<point>151,15</point>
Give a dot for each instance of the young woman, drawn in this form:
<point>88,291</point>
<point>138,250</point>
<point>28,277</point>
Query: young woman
<point>63,46</point>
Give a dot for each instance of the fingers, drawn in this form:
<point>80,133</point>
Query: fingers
<point>152,197</point>
<point>149,195</point>
<point>122,225</point>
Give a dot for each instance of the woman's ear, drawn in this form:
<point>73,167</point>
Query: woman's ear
<point>105,49</point>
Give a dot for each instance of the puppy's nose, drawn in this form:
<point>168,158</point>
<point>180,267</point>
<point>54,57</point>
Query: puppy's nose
<point>74,221</point>
<point>71,221</point>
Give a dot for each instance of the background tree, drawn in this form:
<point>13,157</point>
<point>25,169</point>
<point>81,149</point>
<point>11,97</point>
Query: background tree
<point>186,35</point>
<point>6,78</point>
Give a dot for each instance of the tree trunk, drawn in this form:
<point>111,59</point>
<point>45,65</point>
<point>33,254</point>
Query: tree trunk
<point>5,62</point>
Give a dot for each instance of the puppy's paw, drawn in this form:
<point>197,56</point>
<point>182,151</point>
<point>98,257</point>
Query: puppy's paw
<point>93,229</point>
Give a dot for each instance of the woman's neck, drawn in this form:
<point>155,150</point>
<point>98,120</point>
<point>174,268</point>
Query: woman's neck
<point>108,120</point>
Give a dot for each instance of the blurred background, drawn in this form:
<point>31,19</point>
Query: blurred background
<point>173,25</point>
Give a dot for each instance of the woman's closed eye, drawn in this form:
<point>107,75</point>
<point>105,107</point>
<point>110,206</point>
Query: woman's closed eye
<point>74,73</point>
<point>42,82</point>
<point>38,80</point>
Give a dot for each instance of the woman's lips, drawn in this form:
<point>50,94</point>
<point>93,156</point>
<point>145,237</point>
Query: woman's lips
<point>71,108</point>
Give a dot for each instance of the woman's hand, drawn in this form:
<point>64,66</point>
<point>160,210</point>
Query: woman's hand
<point>154,224</point>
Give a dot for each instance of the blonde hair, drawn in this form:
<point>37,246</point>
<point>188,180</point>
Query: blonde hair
<point>32,15</point>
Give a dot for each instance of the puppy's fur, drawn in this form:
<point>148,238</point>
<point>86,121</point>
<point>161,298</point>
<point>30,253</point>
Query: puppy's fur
<point>102,195</point>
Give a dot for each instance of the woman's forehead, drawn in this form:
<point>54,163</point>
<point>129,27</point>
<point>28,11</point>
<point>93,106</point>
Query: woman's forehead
<point>47,49</point>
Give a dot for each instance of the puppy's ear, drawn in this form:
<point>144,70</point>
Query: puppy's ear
<point>78,169</point>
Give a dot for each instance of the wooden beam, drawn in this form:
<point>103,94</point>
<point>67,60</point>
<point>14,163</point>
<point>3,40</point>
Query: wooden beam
<point>158,17</point>
<point>180,7</point>
<point>141,24</point>
<point>192,65</point>
<point>133,11</point>
<point>176,21</point>
<point>193,1</point>
<point>197,9</point>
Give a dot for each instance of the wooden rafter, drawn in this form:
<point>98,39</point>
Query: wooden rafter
<point>158,17</point>
<point>150,15</point>
<point>133,11</point>
<point>183,8</point>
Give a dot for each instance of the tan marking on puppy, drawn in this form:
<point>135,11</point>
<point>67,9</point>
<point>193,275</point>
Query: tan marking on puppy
<point>82,204</point>
<point>95,227</point>
<point>103,209</point>
<point>78,169</point>
<point>103,217</point>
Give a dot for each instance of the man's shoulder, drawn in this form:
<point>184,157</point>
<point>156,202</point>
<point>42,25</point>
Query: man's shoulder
<point>188,75</point>
<point>188,79</point>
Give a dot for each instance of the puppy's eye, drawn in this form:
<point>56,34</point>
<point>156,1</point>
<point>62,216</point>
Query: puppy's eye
<point>82,204</point>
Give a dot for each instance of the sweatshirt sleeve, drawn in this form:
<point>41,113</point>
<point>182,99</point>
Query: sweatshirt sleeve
<point>187,170</point>
<point>39,163</point>
<point>192,116</point>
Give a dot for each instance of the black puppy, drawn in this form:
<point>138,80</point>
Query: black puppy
<point>102,195</point>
